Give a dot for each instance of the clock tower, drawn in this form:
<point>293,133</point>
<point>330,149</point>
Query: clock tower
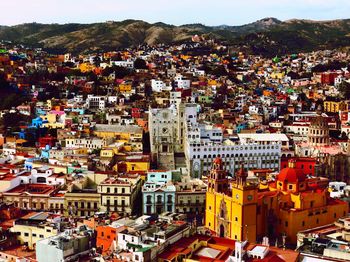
<point>231,211</point>
<point>244,209</point>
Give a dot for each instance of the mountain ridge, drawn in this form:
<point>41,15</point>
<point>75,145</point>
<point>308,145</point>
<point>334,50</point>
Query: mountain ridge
<point>265,36</point>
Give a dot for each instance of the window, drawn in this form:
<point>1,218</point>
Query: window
<point>41,236</point>
<point>26,234</point>
<point>286,223</point>
<point>303,224</point>
<point>108,189</point>
<point>48,230</point>
<point>290,187</point>
<point>34,235</point>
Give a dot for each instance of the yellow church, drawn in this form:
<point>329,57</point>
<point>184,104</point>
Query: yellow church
<point>241,210</point>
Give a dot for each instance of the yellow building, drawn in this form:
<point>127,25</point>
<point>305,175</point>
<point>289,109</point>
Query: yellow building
<point>334,106</point>
<point>86,67</point>
<point>82,198</point>
<point>277,75</point>
<point>125,88</point>
<point>131,134</point>
<point>32,228</point>
<point>212,82</point>
<point>133,163</point>
<point>230,214</point>
<point>288,205</point>
<point>107,152</point>
<point>120,193</point>
<point>52,120</point>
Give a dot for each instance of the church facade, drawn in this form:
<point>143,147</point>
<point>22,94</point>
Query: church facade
<point>242,210</point>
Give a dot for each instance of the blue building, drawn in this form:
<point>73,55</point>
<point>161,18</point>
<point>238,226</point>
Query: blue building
<point>37,122</point>
<point>158,193</point>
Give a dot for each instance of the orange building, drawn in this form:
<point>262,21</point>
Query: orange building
<point>107,237</point>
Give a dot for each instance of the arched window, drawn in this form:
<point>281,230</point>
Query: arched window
<point>149,199</point>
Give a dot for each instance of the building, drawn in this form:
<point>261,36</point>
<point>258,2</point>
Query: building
<point>334,106</point>
<point>131,134</point>
<point>327,243</point>
<point>96,102</point>
<point>107,236</point>
<point>210,248</point>
<point>167,131</point>
<point>158,193</point>
<point>203,147</point>
<point>82,198</point>
<point>67,246</point>
<point>240,210</point>
<point>33,227</point>
<point>120,194</point>
<point>231,213</point>
<point>190,196</point>
<point>30,196</point>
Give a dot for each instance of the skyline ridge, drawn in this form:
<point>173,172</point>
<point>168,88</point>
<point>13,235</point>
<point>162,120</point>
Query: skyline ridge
<point>179,25</point>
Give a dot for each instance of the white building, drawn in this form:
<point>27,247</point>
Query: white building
<point>254,150</point>
<point>126,64</point>
<point>159,86</point>
<point>96,102</point>
<point>181,82</point>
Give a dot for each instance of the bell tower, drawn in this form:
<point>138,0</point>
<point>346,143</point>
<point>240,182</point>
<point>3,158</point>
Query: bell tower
<point>217,211</point>
<point>217,181</point>
<point>244,208</point>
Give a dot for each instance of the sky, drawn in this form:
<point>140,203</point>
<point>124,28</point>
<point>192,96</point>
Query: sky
<point>176,12</point>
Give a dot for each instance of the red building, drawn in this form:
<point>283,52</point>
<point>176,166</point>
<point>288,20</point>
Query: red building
<point>306,164</point>
<point>136,112</point>
<point>47,140</point>
<point>328,78</point>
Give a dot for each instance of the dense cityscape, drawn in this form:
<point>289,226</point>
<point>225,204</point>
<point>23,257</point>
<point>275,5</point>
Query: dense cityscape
<point>174,152</point>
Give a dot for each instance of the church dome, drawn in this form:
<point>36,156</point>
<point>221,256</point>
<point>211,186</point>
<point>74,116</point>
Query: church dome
<point>291,175</point>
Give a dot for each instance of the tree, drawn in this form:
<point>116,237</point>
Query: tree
<point>140,64</point>
<point>97,61</point>
<point>344,89</point>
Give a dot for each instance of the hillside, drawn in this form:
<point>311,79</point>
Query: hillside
<point>268,36</point>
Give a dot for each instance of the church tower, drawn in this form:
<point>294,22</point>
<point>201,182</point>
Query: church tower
<point>217,181</point>
<point>218,201</point>
<point>244,208</point>
<point>318,130</point>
